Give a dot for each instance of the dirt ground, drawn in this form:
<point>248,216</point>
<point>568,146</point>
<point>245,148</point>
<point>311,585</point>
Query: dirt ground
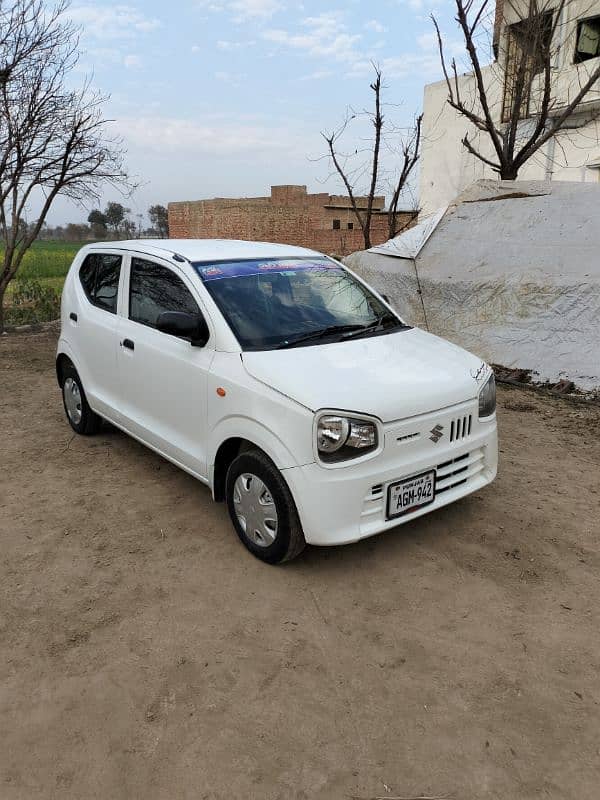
<point>145,654</point>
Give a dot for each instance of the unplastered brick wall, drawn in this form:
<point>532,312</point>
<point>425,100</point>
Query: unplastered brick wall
<point>290,216</point>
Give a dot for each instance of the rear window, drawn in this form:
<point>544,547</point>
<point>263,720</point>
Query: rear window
<point>99,275</point>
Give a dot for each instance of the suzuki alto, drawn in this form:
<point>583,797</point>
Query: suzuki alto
<point>280,379</point>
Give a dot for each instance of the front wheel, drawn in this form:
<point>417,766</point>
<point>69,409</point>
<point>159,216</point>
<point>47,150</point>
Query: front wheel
<point>262,509</point>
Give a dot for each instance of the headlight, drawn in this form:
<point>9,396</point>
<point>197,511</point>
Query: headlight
<point>340,438</point>
<point>487,398</point>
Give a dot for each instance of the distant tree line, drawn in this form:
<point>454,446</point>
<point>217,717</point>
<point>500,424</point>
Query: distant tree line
<point>115,222</point>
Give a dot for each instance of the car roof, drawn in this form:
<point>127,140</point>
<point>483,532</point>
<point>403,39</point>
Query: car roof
<point>208,249</point>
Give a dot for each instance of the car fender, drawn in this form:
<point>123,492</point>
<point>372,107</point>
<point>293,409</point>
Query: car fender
<point>242,427</point>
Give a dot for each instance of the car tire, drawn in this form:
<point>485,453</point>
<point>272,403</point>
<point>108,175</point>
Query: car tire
<point>79,415</point>
<point>262,509</point>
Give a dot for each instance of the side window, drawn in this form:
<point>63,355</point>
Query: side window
<point>99,276</point>
<point>87,276</point>
<point>107,282</point>
<point>154,289</point>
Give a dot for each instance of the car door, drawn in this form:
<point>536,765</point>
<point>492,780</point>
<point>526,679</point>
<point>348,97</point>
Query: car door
<point>163,377</point>
<point>94,321</point>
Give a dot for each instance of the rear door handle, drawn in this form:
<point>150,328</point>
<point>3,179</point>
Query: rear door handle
<point>128,344</point>
<point>73,316</point>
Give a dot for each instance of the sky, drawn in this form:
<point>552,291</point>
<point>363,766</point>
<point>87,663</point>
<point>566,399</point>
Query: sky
<point>223,98</point>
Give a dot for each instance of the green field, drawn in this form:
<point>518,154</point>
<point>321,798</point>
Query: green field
<point>34,295</point>
<point>48,262</point>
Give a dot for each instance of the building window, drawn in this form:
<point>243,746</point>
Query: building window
<point>527,51</point>
<point>337,224</point>
<point>350,226</point>
<point>588,40</point>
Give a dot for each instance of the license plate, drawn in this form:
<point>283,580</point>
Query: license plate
<point>410,494</point>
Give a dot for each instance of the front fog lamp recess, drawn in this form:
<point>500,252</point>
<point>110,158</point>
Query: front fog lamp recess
<point>343,437</point>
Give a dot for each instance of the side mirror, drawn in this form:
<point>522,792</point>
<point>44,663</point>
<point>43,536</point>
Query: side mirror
<point>186,326</point>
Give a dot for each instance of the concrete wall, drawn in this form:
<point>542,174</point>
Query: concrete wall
<point>290,215</point>
<point>447,168</point>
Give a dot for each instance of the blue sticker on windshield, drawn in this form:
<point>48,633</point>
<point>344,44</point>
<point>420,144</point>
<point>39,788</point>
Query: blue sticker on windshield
<point>243,269</point>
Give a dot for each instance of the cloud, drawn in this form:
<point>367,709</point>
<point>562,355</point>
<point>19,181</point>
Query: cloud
<point>217,137</point>
<point>228,46</point>
<point>421,5</point>
<point>319,75</point>
<point>374,25</point>
<point>112,22</point>
<point>242,10</point>
<point>326,36</point>
<point>423,62</point>
<point>232,78</point>
<point>132,61</point>
<point>323,36</point>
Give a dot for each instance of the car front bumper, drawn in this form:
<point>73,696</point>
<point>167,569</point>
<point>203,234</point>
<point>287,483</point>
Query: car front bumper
<point>345,504</point>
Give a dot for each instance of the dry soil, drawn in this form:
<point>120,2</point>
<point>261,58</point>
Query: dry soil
<point>145,654</point>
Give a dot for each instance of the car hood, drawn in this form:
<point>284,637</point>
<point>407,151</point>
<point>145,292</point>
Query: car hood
<point>391,377</point>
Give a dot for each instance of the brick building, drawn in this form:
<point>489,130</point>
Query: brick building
<point>290,215</point>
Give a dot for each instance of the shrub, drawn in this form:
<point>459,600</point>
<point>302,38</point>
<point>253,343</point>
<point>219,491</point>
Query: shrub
<point>32,302</point>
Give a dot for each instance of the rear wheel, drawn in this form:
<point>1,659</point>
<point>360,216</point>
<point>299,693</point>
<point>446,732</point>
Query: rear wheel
<point>80,416</point>
<point>262,509</point>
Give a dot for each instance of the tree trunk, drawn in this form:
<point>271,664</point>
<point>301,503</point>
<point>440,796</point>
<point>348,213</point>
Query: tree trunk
<point>509,173</point>
<point>2,293</point>
<point>367,235</point>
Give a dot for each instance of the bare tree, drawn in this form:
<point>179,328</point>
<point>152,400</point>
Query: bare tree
<point>411,150</point>
<point>363,216</point>
<point>370,169</point>
<point>528,78</point>
<point>53,139</point>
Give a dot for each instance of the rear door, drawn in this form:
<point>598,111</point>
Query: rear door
<point>163,377</point>
<point>94,322</point>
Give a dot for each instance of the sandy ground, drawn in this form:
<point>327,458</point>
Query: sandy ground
<point>145,654</point>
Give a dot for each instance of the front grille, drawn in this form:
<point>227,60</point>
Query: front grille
<point>450,474</point>
<point>460,428</point>
<point>457,471</point>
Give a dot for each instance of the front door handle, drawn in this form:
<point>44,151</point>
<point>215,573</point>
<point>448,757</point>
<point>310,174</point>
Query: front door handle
<point>128,344</point>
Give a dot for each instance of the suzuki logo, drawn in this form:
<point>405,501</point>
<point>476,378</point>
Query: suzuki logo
<point>436,433</point>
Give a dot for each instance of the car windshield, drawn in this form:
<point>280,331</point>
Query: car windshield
<point>274,303</point>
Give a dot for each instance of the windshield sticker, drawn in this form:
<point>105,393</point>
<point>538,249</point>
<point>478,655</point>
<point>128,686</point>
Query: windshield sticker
<point>243,269</point>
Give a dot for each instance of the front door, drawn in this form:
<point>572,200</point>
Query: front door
<point>163,377</point>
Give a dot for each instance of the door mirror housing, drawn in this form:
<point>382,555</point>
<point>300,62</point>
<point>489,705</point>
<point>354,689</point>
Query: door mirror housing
<point>186,326</point>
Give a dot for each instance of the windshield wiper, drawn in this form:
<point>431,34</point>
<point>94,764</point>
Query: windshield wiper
<point>320,334</point>
<point>381,323</point>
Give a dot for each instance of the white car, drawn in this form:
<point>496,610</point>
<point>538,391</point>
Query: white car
<point>279,378</point>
